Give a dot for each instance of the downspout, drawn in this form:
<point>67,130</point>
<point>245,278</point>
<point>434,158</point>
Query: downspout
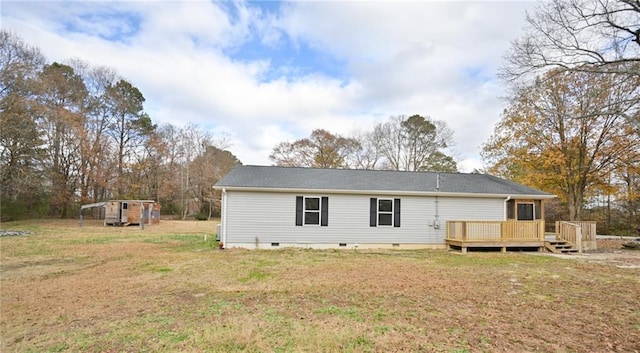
<point>223,238</point>
<point>505,207</point>
<point>436,222</point>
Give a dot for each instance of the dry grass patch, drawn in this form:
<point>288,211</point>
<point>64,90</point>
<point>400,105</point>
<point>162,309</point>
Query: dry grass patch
<point>165,289</point>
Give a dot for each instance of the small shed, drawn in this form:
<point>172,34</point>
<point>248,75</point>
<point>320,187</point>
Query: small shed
<point>127,212</point>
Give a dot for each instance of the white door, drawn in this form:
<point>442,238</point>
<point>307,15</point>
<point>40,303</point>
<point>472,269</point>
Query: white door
<point>124,215</point>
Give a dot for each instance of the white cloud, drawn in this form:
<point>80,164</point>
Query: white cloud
<point>431,58</point>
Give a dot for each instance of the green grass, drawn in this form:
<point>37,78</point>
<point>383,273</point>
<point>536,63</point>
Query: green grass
<point>166,289</point>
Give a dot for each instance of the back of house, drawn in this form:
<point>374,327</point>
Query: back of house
<point>274,207</point>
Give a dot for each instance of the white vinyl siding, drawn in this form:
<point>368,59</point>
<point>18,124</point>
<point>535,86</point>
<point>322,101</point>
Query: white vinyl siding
<point>266,217</point>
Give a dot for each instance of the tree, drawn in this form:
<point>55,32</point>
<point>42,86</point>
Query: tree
<point>208,168</point>
<point>193,142</point>
<point>61,107</point>
<point>599,36</point>
<point>21,182</point>
<point>415,143</point>
<point>565,132</point>
<point>169,168</point>
<point>579,35</point>
<point>626,192</point>
<point>71,133</point>
<point>366,154</point>
<point>98,161</point>
<point>320,150</point>
<point>130,125</point>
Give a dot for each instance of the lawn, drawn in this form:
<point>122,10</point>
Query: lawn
<point>166,289</point>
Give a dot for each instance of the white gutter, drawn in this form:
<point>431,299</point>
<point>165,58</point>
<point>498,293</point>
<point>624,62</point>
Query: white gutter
<point>386,192</point>
<point>223,237</point>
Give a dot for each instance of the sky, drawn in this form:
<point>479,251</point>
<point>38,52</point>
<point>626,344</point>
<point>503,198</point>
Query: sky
<point>263,72</point>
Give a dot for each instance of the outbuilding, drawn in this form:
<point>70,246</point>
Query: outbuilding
<point>266,207</point>
<point>126,212</point>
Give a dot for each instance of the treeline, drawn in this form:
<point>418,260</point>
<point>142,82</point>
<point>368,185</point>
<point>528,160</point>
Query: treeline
<point>413,143</point>
<point>73,134</point>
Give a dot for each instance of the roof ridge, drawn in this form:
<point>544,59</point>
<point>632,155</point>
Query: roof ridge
<point>358,169</point>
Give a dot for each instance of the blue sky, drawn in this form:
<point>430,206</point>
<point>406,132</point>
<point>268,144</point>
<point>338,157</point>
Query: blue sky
<point>267,71</point>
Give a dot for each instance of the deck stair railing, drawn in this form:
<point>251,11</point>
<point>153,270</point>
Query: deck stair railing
<point>582,234</point>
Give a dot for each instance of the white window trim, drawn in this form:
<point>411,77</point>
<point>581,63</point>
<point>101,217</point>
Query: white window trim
<point>385,212</point>
<point>304,211</point>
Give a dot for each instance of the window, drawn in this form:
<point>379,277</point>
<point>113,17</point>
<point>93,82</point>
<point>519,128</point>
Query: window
<point>525,211</point>
<point>312,211</point>
<point>384,212</point>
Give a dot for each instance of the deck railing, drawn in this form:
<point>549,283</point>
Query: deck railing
<point>582,234</point>
<point>496,230</point>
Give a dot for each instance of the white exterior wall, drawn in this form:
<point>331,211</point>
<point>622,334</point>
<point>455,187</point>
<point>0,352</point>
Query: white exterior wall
<point>264,218</point>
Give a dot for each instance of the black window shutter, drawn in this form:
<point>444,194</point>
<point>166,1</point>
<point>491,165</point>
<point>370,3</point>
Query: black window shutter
<point>396,213</point>
<point>373,212</point>
<point>324,213</point>
<point>299,211</point>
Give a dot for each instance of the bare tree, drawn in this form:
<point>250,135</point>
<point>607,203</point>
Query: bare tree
<point>130,126</point>
<point>415,143</point>
<point>98,152</point>
<point>207,169</point>
<point>580,35</point>
<point>366,154</point>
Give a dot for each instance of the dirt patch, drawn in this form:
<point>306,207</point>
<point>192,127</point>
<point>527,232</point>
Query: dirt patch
<point>617,258</point>
<point>610,252</point>
<point>607,245</point>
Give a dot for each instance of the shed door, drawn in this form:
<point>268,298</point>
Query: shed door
<point>124,209</point>
<point>145,214</point>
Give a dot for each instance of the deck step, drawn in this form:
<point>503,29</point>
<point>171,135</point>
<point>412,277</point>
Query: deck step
<point>560,247</point>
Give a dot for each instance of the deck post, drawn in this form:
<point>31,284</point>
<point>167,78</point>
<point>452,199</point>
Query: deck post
<point>463,249</point>
<point>503,249</point>
<point>579,238</point>
<point>464,230</point>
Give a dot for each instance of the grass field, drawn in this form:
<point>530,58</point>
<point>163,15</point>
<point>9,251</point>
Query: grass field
<point>166,289</point>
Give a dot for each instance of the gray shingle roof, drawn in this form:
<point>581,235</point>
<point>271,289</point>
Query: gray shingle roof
<point>264,177</point>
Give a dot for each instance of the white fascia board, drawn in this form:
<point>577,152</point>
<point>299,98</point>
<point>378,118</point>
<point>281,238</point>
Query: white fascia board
<point>387,192</point>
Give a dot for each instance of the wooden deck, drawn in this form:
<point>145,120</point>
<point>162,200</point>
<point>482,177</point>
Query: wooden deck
<point>495,234</point>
